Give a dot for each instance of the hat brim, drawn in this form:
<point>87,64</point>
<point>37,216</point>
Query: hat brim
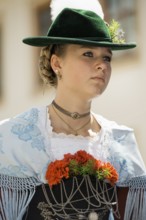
<point>43,41</point>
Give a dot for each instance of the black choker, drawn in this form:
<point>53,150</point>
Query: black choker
<point>74,115</point>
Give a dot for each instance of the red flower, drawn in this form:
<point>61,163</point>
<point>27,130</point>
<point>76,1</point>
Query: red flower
<point>68,157</point>
<point>112,174</point>
<point>108,172</point>
<point>57,171</point>
<point>82,157</point>
<point>80,163</point>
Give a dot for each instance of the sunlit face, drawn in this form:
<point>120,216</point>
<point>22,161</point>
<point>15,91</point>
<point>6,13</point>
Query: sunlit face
<point>85,70</point>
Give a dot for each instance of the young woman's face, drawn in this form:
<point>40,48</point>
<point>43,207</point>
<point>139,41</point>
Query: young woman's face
<point>85,70</point>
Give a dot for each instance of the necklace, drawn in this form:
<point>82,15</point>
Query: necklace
<point>74,130</point>
<point>74,115</point>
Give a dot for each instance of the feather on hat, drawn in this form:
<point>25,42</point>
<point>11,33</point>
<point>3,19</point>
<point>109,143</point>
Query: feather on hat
<point>58,5</point>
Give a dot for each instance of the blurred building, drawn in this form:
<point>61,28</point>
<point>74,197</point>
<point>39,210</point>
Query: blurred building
<point>21,87</point>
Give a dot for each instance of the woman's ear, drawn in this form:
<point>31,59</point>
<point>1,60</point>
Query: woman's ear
<point>55,63</point>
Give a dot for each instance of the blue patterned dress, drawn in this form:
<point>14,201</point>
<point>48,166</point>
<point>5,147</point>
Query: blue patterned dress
<point>28,144</point>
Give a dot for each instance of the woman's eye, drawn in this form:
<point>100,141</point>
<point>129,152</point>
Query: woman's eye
<point>88,54</point>
<point>107,59</point>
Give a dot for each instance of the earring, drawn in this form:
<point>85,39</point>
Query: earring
<point>58,74</point>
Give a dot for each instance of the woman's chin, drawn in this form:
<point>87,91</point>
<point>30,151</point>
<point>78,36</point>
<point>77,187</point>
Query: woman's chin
<point>96,93</point>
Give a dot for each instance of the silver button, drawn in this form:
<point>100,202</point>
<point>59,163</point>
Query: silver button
<point>93,216</point>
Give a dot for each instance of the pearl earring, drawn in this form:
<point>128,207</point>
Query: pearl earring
<point>58,74</point>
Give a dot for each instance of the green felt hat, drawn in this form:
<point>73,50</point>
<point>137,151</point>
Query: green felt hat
<point>76,26</point>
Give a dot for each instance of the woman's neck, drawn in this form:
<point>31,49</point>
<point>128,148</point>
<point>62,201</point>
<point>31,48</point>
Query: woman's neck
<point>64,123</point>
<point>61,123</point>
<point>73,104</point>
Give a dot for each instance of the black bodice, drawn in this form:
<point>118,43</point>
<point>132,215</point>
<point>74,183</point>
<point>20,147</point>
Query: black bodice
<point>79,208</point>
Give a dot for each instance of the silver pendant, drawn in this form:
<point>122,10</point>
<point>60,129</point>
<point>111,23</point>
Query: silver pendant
<point>75,115</point>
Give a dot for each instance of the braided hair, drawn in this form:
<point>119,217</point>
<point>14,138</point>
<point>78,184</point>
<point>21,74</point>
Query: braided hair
<point>45,70</point>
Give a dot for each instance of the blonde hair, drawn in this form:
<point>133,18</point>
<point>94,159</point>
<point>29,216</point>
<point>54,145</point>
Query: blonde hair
<point>45,70</point>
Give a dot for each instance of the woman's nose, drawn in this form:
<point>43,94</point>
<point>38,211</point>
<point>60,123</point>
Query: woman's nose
<point>101,65</point>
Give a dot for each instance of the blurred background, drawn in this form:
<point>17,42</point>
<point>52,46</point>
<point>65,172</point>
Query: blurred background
<point>124,100</point>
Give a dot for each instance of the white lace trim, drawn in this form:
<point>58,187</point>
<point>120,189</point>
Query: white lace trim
<point>61,143</point>
<point>63,135</point>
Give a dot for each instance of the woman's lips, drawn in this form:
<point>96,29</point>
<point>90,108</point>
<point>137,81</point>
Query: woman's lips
<point>98,78</point>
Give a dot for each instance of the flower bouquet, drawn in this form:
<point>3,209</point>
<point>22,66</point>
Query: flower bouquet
<point>80,187</point>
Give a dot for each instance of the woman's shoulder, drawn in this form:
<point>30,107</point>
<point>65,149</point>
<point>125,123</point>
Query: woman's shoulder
<point>110,124</point>
<point>30,116</point>
<point>24,128</point>
<point>22,140</point>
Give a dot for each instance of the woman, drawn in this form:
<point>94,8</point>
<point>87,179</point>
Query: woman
<point>77,61</point>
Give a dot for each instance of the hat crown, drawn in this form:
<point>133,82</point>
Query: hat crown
<point>76,23</point>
